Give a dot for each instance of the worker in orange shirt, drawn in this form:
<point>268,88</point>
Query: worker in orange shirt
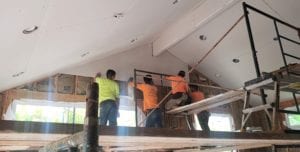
<point>203,116</point>
<point>179,91</point>
<point>150,101</point>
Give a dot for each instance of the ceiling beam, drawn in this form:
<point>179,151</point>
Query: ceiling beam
<point>205,12</point>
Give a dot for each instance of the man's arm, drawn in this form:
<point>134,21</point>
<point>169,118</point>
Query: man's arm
<point>98,75</point>
<point>131,84</point>
<point>117,93</point>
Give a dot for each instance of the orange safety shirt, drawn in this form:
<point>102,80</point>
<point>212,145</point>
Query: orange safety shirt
<point>149,93</point>
<point>197,96</point>
<point>178,84</point>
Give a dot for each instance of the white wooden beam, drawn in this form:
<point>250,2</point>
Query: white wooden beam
<point>206,11</point>
<point>257,108</point>
<point>220,99</point>
<point>223,98</point>
<point>226,101</point>
<point>13,148</point>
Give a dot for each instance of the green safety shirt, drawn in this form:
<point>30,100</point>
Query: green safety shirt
<point>108,89</point>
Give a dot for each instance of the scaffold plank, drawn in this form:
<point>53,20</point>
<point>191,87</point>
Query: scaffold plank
<point>144,137</point>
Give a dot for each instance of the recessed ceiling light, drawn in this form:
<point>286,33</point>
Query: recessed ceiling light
<point>202,37</point>
<point>175,2</point>
<point>30,29</point>
<point>85,54</point>
<point>17,74</point>
<point>235,60</point>
<point>217,75</point>
<point>118,15</point>
<point>133,40</point>
<point>275,38</point>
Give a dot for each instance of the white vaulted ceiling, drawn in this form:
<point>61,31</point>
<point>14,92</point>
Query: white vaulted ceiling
<point>218,64</point>
<point>70,29</point>
<point>75,32</point>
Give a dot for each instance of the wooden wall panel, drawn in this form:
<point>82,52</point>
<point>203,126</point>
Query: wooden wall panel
<point>82,83</point>
<point>66,84</point>
<point>46,85</point>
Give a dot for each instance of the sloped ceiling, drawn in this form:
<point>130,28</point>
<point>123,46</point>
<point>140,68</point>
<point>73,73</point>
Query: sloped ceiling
<point>218,64</point>
<point>75,31</point>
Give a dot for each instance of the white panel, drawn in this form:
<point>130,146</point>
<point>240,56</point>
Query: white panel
<point>63,13</point>
<point>235,45</point>
<point>190,22</point>
<point>70,28</point>
<point>287,10</point>
<point>16,48</point>
<point>124,64</point>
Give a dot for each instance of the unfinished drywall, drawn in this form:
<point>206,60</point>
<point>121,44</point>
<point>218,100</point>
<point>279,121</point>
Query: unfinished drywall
<point>125,63</point>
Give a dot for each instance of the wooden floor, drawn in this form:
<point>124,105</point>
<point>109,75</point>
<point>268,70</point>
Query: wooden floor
<point>25,135</point>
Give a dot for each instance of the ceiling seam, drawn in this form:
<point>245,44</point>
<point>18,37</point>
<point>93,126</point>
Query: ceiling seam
<point>276,12</point>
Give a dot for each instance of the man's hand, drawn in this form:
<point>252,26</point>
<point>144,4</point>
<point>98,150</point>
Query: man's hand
<point>98,74</point>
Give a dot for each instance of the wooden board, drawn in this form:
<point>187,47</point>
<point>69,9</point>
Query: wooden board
<point>211,102</point>
<point>37,134</point>
<point>218,100</point>
<point>286,84</point>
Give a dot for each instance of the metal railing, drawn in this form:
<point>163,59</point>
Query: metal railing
<point>280,39</point>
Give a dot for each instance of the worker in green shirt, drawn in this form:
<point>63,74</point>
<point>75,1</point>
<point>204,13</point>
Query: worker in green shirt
<point>108,98</point>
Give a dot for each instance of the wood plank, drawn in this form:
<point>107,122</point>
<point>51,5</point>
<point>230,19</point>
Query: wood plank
<point>148,141</point>
<point>190,22</point>
<point>13,148</point>
<point>207,101</point>
<point>143,137</point>
<point>227,148</point>
<point>7,126</point>
<point>258,108</point>
<point>30,143</point>
<point>201,108</point>
<point>221,99</point>
<point>20,93</point>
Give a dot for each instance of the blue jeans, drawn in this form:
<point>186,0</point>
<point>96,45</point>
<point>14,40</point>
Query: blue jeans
<point>108,113</point>
<point>154,120</point>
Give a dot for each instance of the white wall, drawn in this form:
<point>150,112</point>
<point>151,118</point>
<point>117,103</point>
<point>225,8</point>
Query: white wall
<point>124,64</point>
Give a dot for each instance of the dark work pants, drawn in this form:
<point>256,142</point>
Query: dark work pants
<point>154,120</point>
<point>108,113</point>
<point>203,118</point>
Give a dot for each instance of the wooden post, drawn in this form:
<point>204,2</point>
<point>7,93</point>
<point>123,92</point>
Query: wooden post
<point>246,103</point>
<point>90,141</point>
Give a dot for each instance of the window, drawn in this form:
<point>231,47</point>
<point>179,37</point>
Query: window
<point>126,118</point>
<point>46,111</point>
<point>292,120</point>
<point>218,122</point>
<point>62,112</point>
